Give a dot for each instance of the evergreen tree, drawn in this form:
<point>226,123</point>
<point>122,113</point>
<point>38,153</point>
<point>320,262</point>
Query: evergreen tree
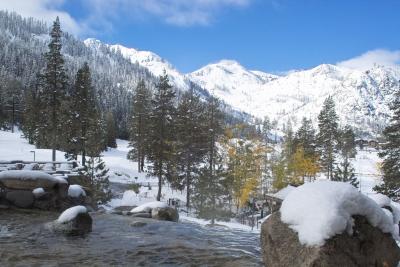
<point>347,143</point>
<point>55,89</point>
<point>111,140</point>
<point>97,179</point>
<point>266,130</point>
<point>192,132</point>
<point>305,138</point>
<point>328,136</point>
<point>345,173</point>
<point>139,124</point>
<point>83,114</point>
<point>162,133</point>
<point>391,153</point>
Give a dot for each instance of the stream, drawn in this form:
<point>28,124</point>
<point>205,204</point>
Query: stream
<point>25,240</point>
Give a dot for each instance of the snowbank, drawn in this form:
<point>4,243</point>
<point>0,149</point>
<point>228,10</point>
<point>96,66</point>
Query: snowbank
<point>69,214</point>
<point>318,211</point>
<point>282,194</point>
<point>76,190</point>
<point>147,207</point>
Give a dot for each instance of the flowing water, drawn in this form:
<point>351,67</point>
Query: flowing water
<point>115,241</point>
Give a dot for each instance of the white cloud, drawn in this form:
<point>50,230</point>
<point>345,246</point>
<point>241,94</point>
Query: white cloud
<point>101,14</point>
<point>370,58</point>
<point>176,12</point>
<point>46,10</point>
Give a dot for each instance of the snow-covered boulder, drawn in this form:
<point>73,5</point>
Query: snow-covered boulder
<point>76,191</point>
<point>329,224</point>
<point>156,210</point>
<point>73,221</point>
<point>27,180</point>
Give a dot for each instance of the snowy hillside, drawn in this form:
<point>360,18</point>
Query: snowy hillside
<point>361,96</point>
<point>153,62</point>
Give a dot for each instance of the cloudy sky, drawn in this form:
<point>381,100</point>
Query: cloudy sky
<point>268,35</point>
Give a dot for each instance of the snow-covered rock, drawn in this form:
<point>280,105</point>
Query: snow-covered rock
<point>38,192</point>
<point>147,207</point>
<point>73,221</point>
<point>27,180</point>
<point>282,194</point>
<point>71,213</point>
<point>76,191</point>
<point>320,210</point>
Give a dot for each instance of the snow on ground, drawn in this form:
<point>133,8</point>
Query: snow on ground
<point>366,166</point>
<point>317,211</point>
<point>71,213</point>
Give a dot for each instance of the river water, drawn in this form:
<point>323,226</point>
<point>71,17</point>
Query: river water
<point>25,240</point>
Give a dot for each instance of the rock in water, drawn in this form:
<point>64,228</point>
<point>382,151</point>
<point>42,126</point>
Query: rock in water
<point>368,246</point>
<point>165,214</point>
<point>73,221</point>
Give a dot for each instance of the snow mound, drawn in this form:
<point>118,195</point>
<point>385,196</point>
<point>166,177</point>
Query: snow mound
<point>318,211</point>
<point>71,213</point>
<point>38,192</point>
<point>76,190</point>
<point>385,203</point>
<point>147,207</point>
<point>282,194</point>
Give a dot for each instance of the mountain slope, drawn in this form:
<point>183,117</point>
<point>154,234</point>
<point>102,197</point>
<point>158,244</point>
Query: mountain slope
<point>361,97</point>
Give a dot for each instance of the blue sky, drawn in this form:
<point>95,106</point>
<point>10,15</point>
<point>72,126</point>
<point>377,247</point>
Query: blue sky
<point>268,35</point>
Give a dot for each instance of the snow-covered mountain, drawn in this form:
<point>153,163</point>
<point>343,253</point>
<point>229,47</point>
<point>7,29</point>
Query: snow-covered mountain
<point>153,62</point>
<point>361,97</point>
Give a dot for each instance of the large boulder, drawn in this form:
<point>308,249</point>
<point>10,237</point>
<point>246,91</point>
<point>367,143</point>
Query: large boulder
<point>20,198</point>
<point>367,246</point>
<point>165,214</point>
<point>73,221</point>
<point>27,180</point>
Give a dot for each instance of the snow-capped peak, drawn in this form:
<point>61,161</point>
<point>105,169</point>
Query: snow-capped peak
<point>153,62</point>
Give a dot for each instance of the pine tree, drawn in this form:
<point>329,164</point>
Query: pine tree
<point>391,153</point>
<point>162,133</point>
<point>111,140</point>
<point>55,90</point>
<point>139,124</point>
<point>347,143</point>
<point>327,136</point>
<point>345,173</point>
<point>305,138</point>
<point>83,114</point>
<point>97,174</point>
<point>192,131</point>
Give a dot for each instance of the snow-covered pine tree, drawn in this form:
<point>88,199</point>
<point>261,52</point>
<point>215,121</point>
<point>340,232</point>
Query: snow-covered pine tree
<point>327,137</point>
<point>192,135</point>
<point>162,133</point>
<point>390,153</point>
<point>139,124</point>
<point>55,91</point>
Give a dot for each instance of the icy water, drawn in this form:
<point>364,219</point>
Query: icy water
<point>26,241</point>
